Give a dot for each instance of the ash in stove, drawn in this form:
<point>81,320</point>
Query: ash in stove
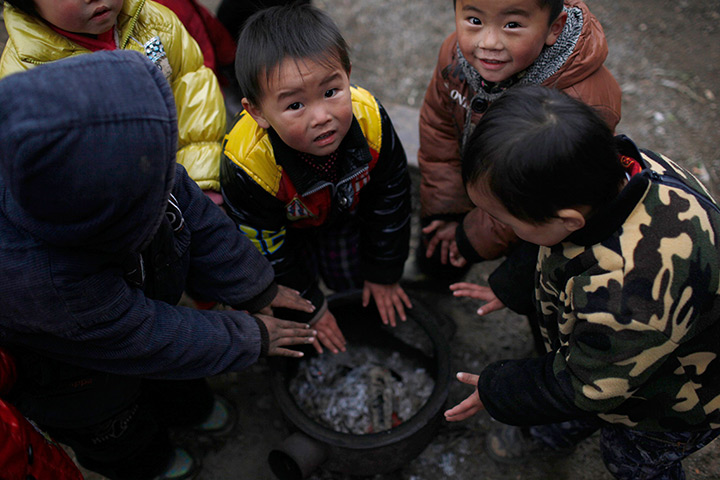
<point>363,390</point>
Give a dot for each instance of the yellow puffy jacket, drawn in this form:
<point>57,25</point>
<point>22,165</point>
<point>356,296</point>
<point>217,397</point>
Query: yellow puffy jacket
<point>198,98</point>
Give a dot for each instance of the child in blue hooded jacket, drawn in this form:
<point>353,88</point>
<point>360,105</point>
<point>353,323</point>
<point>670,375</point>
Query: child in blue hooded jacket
<point>101,234</point>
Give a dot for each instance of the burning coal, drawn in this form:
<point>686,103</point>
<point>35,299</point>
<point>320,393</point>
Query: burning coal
<point>363,390</point>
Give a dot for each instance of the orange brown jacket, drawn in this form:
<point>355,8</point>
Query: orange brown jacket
<point>450,102</point>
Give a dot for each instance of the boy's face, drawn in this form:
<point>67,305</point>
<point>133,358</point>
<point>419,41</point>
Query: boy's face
<point>503,37</point>
<point>308,104</point>
<point>546,234</point>
<point>80,16</point>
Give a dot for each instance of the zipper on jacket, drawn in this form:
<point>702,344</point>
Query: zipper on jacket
<point>355,174</point>
<point>34,62</point>
<point>346,201</point>
<point>343,202</point>
<point>131,25</point>
<point>674,182</point>
<point>319,186</point>
<point>322,184</point>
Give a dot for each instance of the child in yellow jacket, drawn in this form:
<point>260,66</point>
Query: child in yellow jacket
<point>42,31</point>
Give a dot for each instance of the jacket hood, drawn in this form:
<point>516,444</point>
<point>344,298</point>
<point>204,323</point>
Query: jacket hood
<point>589,53</point>
<point>87,153</point>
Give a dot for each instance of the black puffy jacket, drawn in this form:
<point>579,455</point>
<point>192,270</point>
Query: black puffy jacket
<point>275,200</point>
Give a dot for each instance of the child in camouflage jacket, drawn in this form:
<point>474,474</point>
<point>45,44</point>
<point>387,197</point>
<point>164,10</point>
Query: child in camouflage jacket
<point>627,289</point>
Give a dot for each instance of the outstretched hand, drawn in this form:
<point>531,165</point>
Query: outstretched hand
<point>389,299</point>
<point>289,298</point>
<point>468,407</point>
<point>284,333</point>
<point>471,290</point>
<point>443,238</point>
<point>329,334</point>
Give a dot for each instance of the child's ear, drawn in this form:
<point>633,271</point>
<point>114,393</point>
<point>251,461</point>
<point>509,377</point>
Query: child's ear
<point>556,28</point>
<point>256,113</point>
<point>572,219</point>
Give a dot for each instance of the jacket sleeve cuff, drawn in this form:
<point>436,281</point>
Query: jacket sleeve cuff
<point>264,337</point>
<point>526,392</point>
<point>319,313</point>
<point>382,274</point>
<point>259,301</point>
<point>465,247</point>
<point>513,281</point>
<point>316,297</point>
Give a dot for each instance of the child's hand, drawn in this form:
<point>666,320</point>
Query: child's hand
<point>388,298</point>
<point>283,333</point>
<point>468,407</point>
<point>289,298</point>
<point>456,258</point>
<point>444,237</point>
<point>329,334</point>
<point>465,289</point>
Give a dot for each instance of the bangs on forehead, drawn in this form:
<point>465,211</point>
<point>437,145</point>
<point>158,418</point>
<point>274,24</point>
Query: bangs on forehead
<point>295,32</point>
<point>327,59</point>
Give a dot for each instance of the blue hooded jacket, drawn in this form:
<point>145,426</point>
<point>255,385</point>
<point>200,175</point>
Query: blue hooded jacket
<point>101,231</point>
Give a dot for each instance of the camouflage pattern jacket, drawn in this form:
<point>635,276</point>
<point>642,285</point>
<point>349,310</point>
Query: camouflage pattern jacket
<point>630,310</point>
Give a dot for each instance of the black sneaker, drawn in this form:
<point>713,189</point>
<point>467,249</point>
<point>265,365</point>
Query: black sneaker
<point>508,444</point>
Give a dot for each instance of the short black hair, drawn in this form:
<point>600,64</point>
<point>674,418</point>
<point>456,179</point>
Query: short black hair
<point>556,7</point>
<point>27,6</point>
<point>296,31</point>
<point>537,150</point>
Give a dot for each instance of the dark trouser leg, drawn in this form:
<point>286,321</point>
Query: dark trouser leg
<point>565,435</point>
<point>97,414</point>
<point>116,425</point>
<point>631,454</point>
<point>337,250</point>
<point>131,445</point>
<point>134,443</point>
<point>178,403</point>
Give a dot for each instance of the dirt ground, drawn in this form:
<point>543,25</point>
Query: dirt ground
<point>666,57</point>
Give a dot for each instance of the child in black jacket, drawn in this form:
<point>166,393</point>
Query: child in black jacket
<point>313,172</point>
